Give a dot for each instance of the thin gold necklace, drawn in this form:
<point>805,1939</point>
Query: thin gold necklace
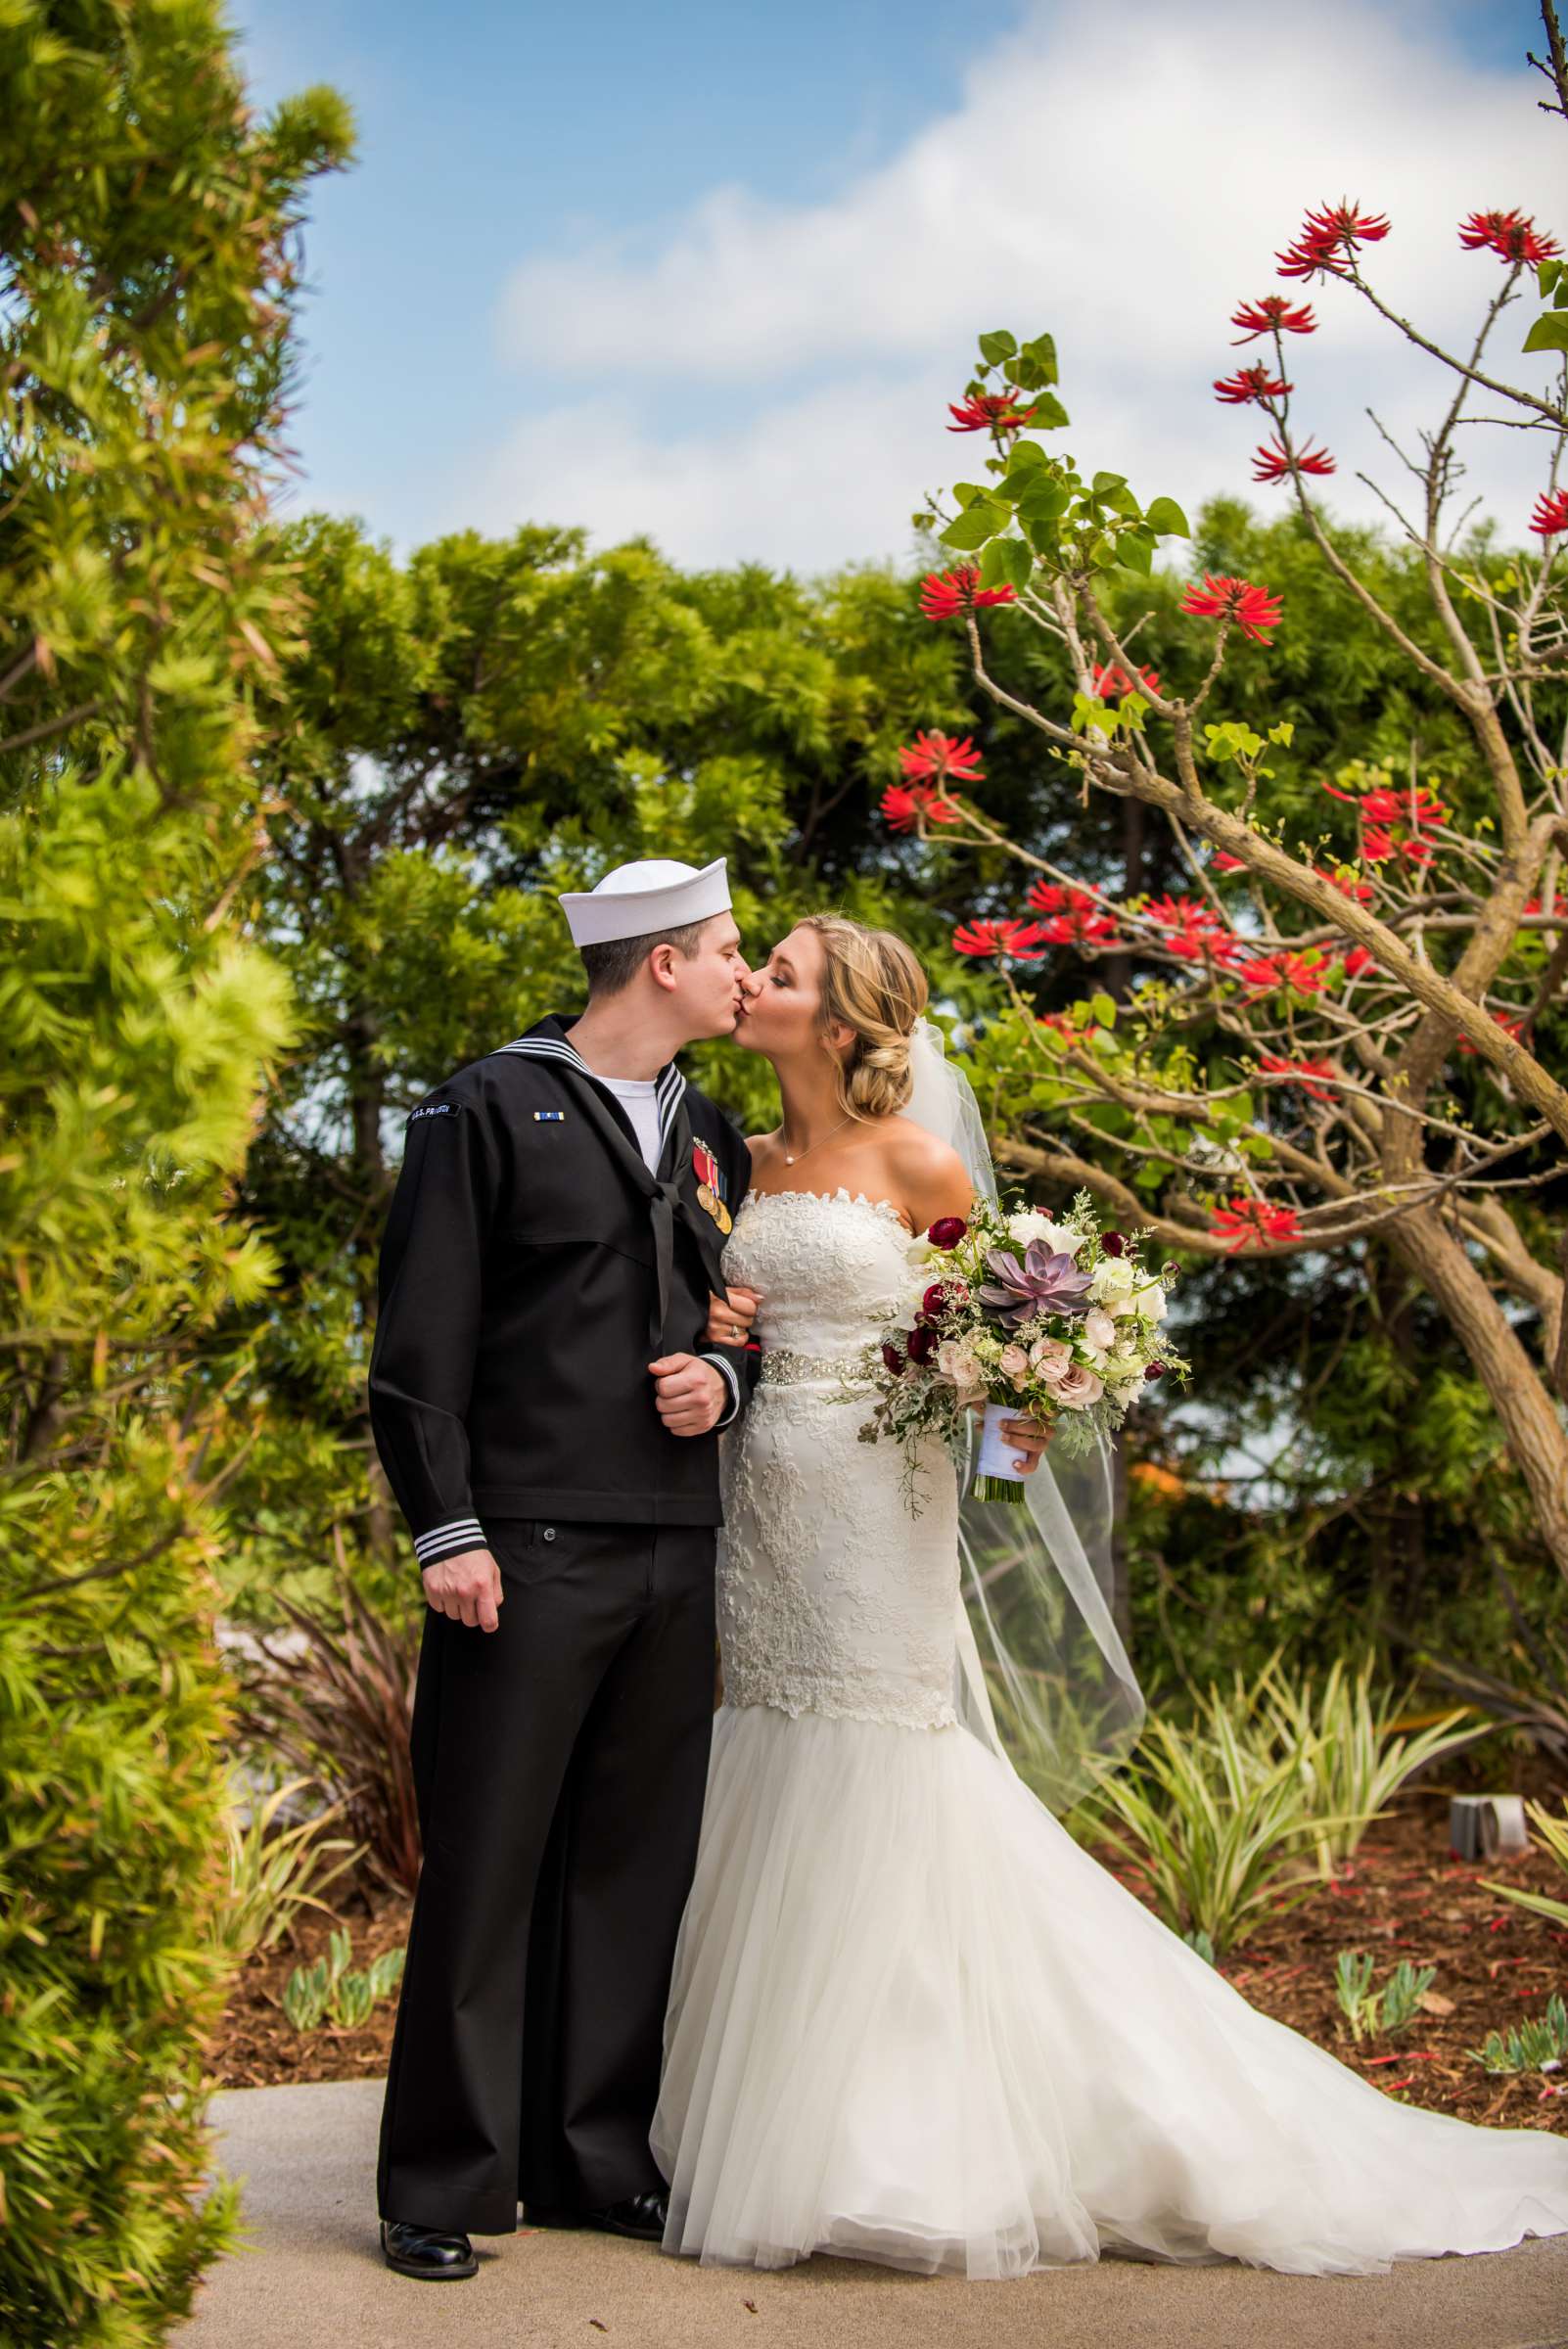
<point>792,1157</point>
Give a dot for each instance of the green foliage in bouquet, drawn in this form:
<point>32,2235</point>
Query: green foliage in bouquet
<point>145,298</point>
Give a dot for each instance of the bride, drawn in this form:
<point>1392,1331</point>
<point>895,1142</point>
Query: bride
<point>910,2019</point>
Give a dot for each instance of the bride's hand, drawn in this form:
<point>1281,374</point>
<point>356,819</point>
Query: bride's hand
<point>1029,1437</point>
<point>730,1317</point>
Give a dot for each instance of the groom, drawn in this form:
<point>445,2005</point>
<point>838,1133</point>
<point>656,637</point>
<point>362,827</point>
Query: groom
<point>547,1425</point>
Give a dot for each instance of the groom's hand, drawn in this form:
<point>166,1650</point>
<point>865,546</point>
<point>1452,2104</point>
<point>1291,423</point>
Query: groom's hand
<point>468,1587</point>
<point>688,1394</point>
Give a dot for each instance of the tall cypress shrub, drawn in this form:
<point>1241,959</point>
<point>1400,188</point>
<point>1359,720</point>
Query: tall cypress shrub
<point>148,266</point>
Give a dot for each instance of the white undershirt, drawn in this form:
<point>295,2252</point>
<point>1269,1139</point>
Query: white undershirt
<point>636,1097</point>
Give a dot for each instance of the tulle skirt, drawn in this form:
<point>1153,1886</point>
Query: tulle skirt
<point>912,2021</point>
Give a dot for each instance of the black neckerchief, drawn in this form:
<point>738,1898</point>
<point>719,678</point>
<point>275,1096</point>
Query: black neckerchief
<point>547,1041</point>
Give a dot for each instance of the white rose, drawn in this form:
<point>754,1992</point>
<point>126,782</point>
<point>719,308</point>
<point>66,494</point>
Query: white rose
<point>1112,1277</point>
<point>920,1251</point>
<point>1099,1330</point>
<point>1149,1302</point>
<point>1030,1223</point>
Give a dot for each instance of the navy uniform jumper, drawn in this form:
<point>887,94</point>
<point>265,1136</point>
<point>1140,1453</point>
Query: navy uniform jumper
<point>532,1267</point>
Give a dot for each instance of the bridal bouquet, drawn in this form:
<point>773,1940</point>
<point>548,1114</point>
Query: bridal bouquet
<point>1028,1316</point>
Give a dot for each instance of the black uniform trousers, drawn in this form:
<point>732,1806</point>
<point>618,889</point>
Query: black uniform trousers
<point>560,1763</point>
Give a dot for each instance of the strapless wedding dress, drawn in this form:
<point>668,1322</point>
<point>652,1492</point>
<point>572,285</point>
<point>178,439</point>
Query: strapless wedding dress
<point>912,2020</point>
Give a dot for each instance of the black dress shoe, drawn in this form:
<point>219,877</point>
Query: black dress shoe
<point>428,2252</point>
<point>643,2215</point>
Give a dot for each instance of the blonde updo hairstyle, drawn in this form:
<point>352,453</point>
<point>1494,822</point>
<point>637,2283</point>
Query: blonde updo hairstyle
<point>873,983</point>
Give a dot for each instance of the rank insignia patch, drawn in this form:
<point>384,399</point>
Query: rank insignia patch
<point>433,1109</point>
<point>549,1117</point>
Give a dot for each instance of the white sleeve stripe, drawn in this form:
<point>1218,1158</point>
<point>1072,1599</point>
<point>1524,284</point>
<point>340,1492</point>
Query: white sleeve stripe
<point>727,1371</point>
<point>443,1534</point>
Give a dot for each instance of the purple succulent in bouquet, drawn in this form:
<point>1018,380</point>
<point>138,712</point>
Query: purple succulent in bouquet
<point>1047,1280</point>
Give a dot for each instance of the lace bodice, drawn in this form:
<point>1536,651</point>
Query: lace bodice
<point>832,1596</point>
<point>824,1262</point>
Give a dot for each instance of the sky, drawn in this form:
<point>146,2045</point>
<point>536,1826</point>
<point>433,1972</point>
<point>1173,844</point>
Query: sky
<point>712,273</point>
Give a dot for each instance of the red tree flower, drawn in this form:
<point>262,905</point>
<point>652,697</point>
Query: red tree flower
<point>1062,1022</point>
<point>1022,938</point>
<point>1274,314</point>
<point>1189,930</point>
<point>1077,917</point>
<point>1272,461</point>
<point>1512,236</point>
<point>1114,681</point>
<point>1253,608</point>
<point>944,594</point>
<point>1251,383</point>
<point>1253,1223</point>
<point>985,409</point>
<point>903,808</point>
<point>1313,254</point>
<point>1550,515</point>
<point>1510,1021</point>
<point>941,759</point>
<point>1314,1075</point>
<point>1358,960</point>
<point>1394,823</point>
<point>1223,860</point>
<point>1349,223</point>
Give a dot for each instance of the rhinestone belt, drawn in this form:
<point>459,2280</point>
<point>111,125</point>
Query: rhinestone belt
<point>783,1366</point>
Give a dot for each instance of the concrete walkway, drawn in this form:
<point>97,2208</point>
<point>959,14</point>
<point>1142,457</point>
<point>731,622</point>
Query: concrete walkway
<point>316,2279</point>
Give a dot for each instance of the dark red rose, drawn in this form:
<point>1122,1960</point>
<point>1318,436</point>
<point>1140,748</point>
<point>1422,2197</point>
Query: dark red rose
<point>893,1359</point>
<point>947,1231</point>
<point>1113,1243</point>
<point>1154,1371</point>
<point>935,1300</point>
<point>922,1343</point>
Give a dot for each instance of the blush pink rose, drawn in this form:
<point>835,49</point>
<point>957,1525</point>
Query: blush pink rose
<point>1076,1387</point>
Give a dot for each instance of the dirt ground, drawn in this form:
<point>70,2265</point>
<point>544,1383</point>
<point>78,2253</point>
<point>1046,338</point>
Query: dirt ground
<point>1403,1896</point>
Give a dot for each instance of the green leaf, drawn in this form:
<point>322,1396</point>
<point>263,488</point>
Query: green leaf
<point>1166,520</point>
<point>1547,275</point>
<point>1134,551</point>
<point>1047,412</point>
<point>1104,482</point>
<point>973,528</point>
<point>994,348</point>
<point>1007,562</point>
<point>1104,1010</point>
<point>1038,357</point>
<point>1549,332</point>
<point>1044,501</point>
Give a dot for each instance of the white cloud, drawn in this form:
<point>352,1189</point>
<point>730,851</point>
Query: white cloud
<point>780,373</point>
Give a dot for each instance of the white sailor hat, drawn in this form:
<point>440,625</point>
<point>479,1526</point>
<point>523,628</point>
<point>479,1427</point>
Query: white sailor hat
<point>655,892</point>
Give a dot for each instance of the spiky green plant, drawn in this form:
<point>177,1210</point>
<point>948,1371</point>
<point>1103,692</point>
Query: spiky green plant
<point>1554,1834</point>
<point>276,1871</point>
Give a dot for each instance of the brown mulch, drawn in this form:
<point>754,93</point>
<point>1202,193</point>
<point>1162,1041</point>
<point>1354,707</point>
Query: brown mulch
<point>1404,1895</point>
<point>255,2046</point>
